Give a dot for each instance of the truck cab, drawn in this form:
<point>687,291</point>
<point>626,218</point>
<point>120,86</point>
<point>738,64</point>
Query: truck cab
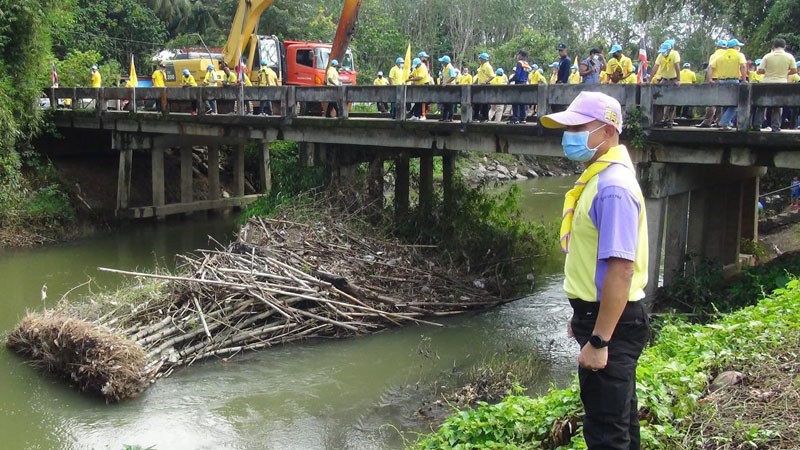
<point>306,63</point>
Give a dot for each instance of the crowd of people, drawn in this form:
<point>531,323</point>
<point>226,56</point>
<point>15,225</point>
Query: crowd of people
<point>727,64</point>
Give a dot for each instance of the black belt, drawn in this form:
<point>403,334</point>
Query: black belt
<point>589,310</point>
<point>669,79</point>
<point>726,79</point>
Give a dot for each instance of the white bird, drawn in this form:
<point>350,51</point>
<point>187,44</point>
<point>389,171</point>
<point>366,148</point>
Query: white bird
<point>44,292</point>
<point>777,250</point>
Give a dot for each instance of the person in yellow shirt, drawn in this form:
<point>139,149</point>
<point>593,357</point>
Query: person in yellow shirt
<point>266,77</point>
<point>397,76</point>
<point>619,69</point>
<point>776,66</point>
<point>537,75</point>
<point>419,77</point>
<point>730,68</point>
<point>687,76</point>
<point>449,77</point>
<point>713,113</point>
<point>210,80</point>
<point>465,77</point>
<point>574,76</point>
<point>159,78</point>
<point>381,81</point>
<point>484,75</point>
<point>189,81</point>
<point>496,111</point>
<point>667,70</point>
<point>332,79</point>
<point>795,77</point>
<point>752,71</point>
<point>97,80</point>
<point>553,73</point>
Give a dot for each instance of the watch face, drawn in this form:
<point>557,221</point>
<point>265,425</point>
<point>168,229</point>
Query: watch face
<point>597,341</point>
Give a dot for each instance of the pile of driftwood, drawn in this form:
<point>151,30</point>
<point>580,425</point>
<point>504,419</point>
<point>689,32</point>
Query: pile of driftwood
<point>279,282</point>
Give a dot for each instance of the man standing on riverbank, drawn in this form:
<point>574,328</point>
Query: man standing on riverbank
<point>604,233</point>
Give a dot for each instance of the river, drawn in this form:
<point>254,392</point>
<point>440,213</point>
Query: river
<point>348,394</point>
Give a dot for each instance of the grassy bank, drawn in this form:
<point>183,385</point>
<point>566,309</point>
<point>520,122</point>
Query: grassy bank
<point>674,374</point>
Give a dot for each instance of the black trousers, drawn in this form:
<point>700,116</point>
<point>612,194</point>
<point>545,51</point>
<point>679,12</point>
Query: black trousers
<point>447,111</point>
<point>609,395</point>
<point>332,106</point>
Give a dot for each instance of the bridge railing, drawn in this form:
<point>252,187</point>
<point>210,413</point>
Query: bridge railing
<point>648,98</point>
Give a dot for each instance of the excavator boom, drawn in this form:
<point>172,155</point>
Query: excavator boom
<point>345,30</point>
<point>244,26</point>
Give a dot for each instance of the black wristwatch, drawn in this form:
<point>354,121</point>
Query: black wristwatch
<point>597,341</point>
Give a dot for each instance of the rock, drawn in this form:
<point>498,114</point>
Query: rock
<point>532,174</point>
<point>520,176</point>
<point>502,176</point>
<point>726,379</point>
<point>503,169</point>
<point>491,168</point>
<point>481,168</point>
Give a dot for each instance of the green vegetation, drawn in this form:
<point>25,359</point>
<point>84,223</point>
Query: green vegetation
<point>673,374</point>
<point>289,178</point>
<point>702,290</point>
<point>28,189</point>
<point>484,232</point>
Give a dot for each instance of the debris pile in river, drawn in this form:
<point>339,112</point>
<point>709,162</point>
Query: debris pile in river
<point>281,281</point>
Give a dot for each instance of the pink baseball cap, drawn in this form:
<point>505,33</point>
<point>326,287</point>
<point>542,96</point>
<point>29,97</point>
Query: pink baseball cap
<point>586,107</point>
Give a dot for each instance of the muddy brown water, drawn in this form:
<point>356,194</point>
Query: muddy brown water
<point>348,394</point>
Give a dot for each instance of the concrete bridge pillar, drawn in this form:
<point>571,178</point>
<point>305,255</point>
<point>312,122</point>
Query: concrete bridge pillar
<point>157,178</point>
<point>187,187</point>
<point>697,209</point>
<point>213,172</point>
<point>121,142</point>
<point>264,169</point>
<point>426,183</point>
<point>448,172</point>
<point>401,187</point>
<point>238,170</point>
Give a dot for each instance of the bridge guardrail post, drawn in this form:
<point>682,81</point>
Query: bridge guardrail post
<point>74,100</point>
<point>401,103</point>
<point>743,108</point>
<point>542,105</point>
<point>100,102</point>
<point>289,104</point>
<point>343,102</point>
<point>53,99</point>
<point>646,105</point>
<point>466,104</point>
<point>201,105</point>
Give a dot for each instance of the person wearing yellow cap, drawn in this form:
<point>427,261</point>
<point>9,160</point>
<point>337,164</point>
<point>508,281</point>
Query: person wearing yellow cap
<point>266,77</point>
<point>604,235</point>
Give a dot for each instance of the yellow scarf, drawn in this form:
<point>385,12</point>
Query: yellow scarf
<point>614,155</point>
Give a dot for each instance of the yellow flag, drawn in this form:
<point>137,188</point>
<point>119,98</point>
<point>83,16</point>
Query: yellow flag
<point>407,64</point>
<point>133,80</point>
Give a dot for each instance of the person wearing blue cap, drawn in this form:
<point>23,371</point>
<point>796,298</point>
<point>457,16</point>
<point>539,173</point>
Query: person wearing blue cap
<point>210,80</point>
<point>619,69</point>
<point>449,78</point>
<point>485,75</point>
<point>419,77</point>
<point>666,71</point>
<point>188,81</point>
<point>496,110</point>
<point>730,68</point>
<point>332,79</point>
<point>397,76</point>
<point>713,114</point>
<point>776,66</point>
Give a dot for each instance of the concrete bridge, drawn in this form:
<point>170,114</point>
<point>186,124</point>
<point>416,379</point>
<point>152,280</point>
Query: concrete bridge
<point>701,185</point>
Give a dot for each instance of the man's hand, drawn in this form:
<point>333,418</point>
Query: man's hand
<point>593,358</point>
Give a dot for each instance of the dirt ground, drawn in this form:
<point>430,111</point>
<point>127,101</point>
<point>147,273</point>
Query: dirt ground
<point>782,240</point>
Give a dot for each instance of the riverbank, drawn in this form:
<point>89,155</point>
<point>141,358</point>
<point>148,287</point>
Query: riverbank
<point>676,389</point>
<point>478,168</point>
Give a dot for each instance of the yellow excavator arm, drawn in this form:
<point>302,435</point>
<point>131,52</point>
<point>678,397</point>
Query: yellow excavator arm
<point>244,26</point>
